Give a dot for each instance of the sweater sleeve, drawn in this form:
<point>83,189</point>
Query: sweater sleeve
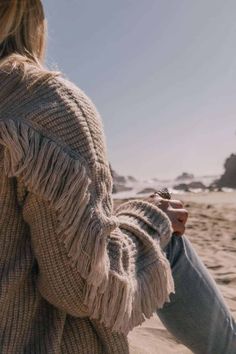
<point>93,260</point>
<point>137,278</point>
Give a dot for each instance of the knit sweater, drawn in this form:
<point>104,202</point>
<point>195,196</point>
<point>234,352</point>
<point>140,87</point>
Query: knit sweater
<point>76,274</point>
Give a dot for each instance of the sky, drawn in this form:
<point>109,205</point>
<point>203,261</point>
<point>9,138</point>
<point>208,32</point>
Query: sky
<point>162,74</point>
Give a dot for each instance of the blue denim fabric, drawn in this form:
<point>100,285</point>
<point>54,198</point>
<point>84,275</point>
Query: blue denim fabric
<point>197,314</point>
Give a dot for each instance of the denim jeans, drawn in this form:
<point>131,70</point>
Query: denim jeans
<point>197,314</point>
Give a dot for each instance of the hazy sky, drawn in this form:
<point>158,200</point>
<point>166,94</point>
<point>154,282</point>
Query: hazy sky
<point>162,73</point>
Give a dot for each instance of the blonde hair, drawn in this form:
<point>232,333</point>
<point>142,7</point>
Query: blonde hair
<point>23,32</point>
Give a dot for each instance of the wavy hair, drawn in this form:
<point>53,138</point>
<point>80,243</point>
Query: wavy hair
<point>23,33</point>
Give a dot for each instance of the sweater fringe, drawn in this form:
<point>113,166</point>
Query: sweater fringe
<point>124,307</point>
<point>63,181</point>
<point>50,172</point>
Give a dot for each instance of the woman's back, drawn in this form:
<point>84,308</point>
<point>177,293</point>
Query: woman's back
<point>71,270</point>
<point>29,323</point>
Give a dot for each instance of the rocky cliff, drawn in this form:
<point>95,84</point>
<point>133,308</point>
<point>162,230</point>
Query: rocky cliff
<point>228,179</point>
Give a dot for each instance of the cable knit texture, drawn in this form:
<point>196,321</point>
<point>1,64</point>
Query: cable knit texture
<point>76,275</point>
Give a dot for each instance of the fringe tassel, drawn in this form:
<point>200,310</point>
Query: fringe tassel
<point>119,301</point>
<point>64,182</point>
<point>126,304</point>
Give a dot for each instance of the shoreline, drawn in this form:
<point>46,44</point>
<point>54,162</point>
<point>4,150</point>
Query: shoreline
<point>200,197</point>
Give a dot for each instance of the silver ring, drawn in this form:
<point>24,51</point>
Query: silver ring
<point>164,193</point>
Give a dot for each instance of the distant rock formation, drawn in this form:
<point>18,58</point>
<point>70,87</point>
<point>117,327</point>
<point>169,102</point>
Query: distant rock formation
<point>131,179</point>
<point>185,176</point>
<point>186,187</point>
<point>120,188</point>
<point>228,179</point>
<point>116,177</point>
<point>147,190</point>
<point>197,185</point>
<point>119,182</point>
<point>181,187</point>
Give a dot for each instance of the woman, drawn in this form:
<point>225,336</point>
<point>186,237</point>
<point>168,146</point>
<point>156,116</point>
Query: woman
<point>77,276</point>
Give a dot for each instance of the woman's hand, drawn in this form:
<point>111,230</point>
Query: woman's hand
<point>174,210</point>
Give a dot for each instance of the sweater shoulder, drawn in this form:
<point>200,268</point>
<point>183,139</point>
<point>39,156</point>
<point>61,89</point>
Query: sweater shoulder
<point>56,108</point>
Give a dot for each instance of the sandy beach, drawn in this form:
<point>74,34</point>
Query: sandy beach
<point>212,230</point>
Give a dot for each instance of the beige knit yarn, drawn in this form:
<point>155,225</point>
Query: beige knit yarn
<point>76,275</point>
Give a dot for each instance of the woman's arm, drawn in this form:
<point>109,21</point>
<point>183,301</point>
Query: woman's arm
<point>92,261</point>
<point>135,267</point>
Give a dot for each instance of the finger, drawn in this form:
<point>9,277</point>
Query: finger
<point>176,204</point>
<point>182,215</point>
<point>154,197</point>
<point>179,228</point>
<point>160,202</point>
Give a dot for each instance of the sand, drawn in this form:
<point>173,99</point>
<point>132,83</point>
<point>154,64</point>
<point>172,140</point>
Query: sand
<point>212,222</point>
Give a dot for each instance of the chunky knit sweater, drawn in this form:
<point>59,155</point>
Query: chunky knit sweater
<point>75,275</point>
